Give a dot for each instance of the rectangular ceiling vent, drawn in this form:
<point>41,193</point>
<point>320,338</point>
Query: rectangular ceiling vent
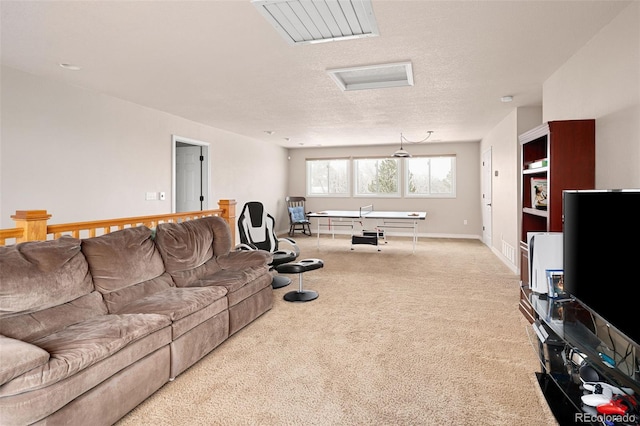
<point>317,21</point>
<point>373,76</point>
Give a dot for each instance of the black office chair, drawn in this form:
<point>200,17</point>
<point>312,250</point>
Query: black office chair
<point>256,229</point>
<point>297,216</point>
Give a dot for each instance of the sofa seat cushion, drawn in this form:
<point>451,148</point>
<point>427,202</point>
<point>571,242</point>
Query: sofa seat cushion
<point>18,357</point>
<point>240,284</point>
<point>233,279</point>
<point>176,303</point>
<point>237,260</point>
<point>116,300</point>
<point>82,345</point>
<point>37,275</point>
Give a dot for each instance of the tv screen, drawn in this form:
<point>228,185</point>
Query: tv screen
<point>601,246</point>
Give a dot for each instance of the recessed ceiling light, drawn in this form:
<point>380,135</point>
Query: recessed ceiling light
<point>373,76</point>
<point>70,67</point>
<point>506,99</point>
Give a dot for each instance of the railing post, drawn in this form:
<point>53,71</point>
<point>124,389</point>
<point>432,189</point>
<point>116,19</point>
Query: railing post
<point>229,214</point>
<point>33,223</point>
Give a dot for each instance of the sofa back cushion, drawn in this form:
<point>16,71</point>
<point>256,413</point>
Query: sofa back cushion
<point>189,248</point>
<point>125,266</point>
<point>35,325</point>
<point>37,275</point>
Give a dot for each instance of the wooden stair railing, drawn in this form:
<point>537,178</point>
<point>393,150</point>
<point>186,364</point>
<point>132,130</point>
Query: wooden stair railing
<point>31,225</point>
<point>10,233</point>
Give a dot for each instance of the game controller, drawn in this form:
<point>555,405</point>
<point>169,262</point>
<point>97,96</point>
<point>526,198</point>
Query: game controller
<point>620,404</point>
<point>603,394</point>
<point>593,387</point>
<point>596,399</point>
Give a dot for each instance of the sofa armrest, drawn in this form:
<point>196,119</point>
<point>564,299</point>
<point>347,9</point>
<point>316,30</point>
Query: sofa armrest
<point>244,259</point>
<point>18,357</point>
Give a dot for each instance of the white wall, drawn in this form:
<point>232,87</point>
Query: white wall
<point>82,155</point>
<point>505,200</point>
<point>602,81</point>
<point>85,156</point>
<point>445,216</point>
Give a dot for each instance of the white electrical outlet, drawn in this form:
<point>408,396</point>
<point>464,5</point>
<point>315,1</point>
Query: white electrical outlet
<point>162,196</point>
<point>465,221</point>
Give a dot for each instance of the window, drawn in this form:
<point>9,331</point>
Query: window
<point>328,178</point>
<point>430,176</point>
<point>377,177</point>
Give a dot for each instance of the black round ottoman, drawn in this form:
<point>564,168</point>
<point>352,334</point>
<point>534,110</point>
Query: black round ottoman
<point>300,268</point>
<point>280,257</point>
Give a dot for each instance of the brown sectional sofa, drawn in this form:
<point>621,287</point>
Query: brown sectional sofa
<point>90,328</point>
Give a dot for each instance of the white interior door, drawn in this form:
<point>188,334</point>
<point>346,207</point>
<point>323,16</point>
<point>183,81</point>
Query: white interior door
<point>191,175</point>
<point>486,197</point>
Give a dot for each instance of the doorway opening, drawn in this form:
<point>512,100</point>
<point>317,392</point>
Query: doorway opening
<point>191,175</point>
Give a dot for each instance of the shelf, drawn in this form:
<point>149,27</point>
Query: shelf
<point>571,326</point>
<point>568,146</point>
<point>535,212</point>
<point>576,327</point>
<point>539,170</point>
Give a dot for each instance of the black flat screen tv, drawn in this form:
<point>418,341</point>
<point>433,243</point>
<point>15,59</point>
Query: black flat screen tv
<point>601,250</point>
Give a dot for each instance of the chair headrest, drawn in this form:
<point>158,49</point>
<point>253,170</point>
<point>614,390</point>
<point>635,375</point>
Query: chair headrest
<point>256,213</point>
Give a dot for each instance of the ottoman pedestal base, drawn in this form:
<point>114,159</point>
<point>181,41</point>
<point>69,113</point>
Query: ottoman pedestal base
<point>300,295</point>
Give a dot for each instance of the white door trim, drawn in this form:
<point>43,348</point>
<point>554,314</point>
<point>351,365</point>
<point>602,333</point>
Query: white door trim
<point>487,180</point>
<point>175,139</point>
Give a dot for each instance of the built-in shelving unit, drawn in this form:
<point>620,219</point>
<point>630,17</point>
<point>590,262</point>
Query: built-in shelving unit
<point>562,154</point>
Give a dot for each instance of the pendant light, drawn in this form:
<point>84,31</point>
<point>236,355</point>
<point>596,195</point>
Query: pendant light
<point>402,153</point>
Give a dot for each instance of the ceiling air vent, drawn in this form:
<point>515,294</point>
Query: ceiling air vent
<point>317,21</point>
<point>373,76</point>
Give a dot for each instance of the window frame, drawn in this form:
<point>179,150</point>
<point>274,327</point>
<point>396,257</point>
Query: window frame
<point>407,171</point>
<point>308,182</point>
<point>397,194</point>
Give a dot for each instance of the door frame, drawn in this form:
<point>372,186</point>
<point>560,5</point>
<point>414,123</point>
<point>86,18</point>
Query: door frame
<point>486,198</point>
<point>175,140</point>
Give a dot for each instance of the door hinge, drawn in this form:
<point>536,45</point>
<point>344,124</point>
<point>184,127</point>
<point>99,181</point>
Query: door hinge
<point>202,198</point>
<point>202,158</point>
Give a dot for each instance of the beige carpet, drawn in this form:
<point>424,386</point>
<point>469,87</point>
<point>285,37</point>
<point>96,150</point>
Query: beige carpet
<point>395,338</point>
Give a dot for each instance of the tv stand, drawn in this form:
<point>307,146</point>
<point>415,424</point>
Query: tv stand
<point>567,335</point>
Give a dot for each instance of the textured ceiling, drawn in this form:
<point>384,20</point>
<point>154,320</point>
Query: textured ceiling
<point>220,63</point>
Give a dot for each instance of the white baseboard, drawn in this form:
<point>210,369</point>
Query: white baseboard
<point>504,260</point>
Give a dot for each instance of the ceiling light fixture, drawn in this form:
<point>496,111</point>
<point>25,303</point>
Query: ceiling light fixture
<point>318,21</point>
<point>506,99</point>
<point>403,153</point>
<point>375,76</point>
